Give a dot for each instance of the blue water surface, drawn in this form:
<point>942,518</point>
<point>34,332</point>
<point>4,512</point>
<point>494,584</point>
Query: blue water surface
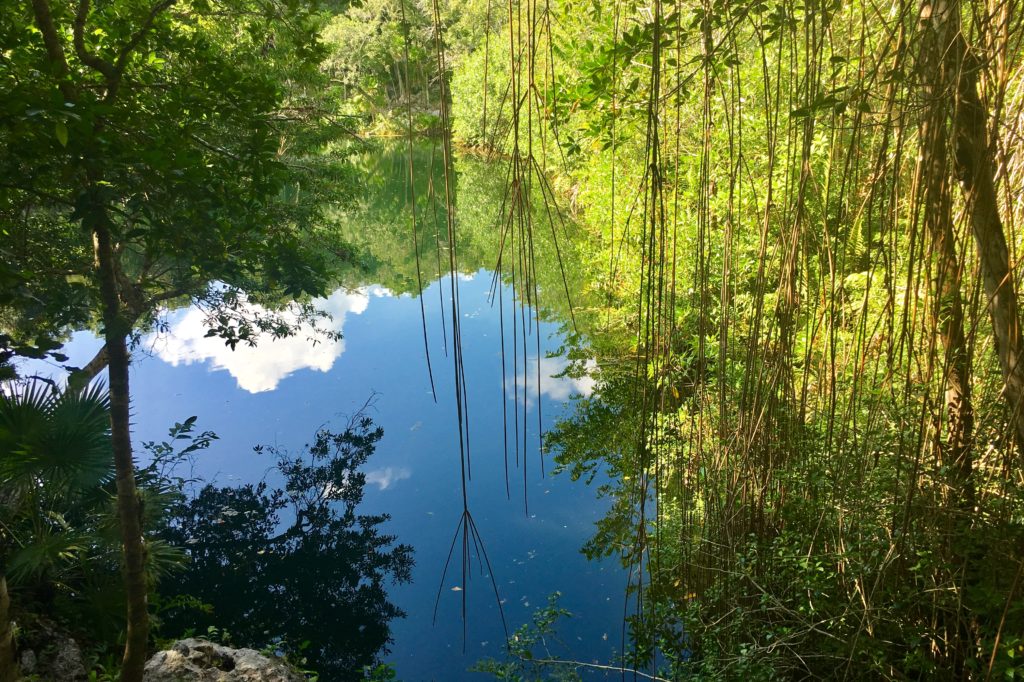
<point>280,392</point>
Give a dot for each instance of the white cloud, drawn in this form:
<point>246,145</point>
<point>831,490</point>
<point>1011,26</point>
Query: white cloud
<point>260,368</point>
<point>558,388</point>
<point>386,477</point>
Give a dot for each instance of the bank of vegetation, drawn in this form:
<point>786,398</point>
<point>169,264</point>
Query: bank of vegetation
<point>803,303</point>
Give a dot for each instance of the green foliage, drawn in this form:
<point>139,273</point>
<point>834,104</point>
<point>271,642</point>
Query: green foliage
<point>480,106</point>
<point>366,61</point>
<point>530,650</point>
<point>382,59</point>
<point>60,438</point>
<point>193,150</point>
<point>759,295</point>
<point>380,673</point>
<point>772,381</point>
<point>61,549</point>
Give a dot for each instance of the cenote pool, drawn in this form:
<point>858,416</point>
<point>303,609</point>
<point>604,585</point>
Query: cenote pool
<point>280,393</point>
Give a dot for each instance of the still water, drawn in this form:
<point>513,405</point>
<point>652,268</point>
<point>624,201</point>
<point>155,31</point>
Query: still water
<point>280,392</point>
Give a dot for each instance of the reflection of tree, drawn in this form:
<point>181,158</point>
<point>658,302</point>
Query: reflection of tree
<point>379,228</point>
<point>314,582</point>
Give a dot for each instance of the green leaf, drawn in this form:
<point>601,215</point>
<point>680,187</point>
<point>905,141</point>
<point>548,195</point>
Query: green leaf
<point>61,129</point>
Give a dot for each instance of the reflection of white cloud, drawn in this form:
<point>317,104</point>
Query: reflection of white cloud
<point>555,387</point>
<point>384,478</point>
<point>260,368</point>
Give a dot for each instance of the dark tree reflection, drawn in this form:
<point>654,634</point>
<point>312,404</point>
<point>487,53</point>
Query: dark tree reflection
<point>294,566</point>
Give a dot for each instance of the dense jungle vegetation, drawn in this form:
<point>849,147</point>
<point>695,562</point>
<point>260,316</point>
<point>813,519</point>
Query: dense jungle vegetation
<point>781,236</point>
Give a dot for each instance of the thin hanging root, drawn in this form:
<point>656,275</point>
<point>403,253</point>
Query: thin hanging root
<point>411,179</point>
<point>432,194</point>
<point>548,192</point>
<point>467,529</point>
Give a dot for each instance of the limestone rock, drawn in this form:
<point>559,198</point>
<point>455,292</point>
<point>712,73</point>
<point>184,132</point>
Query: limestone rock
<point>48,652</point>
<point>61,660</point>
<point>67,662</point>
<point>28,662</point>
<point>197,660</point>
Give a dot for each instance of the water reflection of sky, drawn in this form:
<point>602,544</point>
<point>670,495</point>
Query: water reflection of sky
<point>282,391</point>
<point>260,368</point>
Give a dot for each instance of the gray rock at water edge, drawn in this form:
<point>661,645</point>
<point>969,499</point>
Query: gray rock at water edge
<point>197,660</point>
<point>67,663</point>
<point>62,662</point>
<point>28,662</point>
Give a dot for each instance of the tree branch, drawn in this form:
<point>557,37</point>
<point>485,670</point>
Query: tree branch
<point>183,290</point>
<point>54,49</point>
<point>39,193</point>
<point>88,58</point>
<point>112,72</point>
<point>139,36</point>
<point>81,378</point>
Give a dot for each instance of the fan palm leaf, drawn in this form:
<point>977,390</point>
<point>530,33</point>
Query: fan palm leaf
<point>61,441</point>
<point>48,551</point>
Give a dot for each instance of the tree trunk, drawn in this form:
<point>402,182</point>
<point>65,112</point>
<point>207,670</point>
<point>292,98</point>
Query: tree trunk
<point>128,504</point>
<point>976,172</point>
<point>116,324</point>
<point>8,666</point>
<point>940,27</point>
<point>934,180</point>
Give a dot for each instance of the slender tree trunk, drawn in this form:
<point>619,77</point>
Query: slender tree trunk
<point>934,180</point>
<point>8,666</point>
<point>976,172</point>
<point>957,451</point>
<point>128,504</point>
<point>117,324</point>
<point>940,27</point>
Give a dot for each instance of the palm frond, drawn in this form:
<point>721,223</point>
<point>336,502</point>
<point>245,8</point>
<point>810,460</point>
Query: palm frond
<point>163,559</point>
<point>56,440</point>
<point>46,552</point>
<point>78,444</point>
